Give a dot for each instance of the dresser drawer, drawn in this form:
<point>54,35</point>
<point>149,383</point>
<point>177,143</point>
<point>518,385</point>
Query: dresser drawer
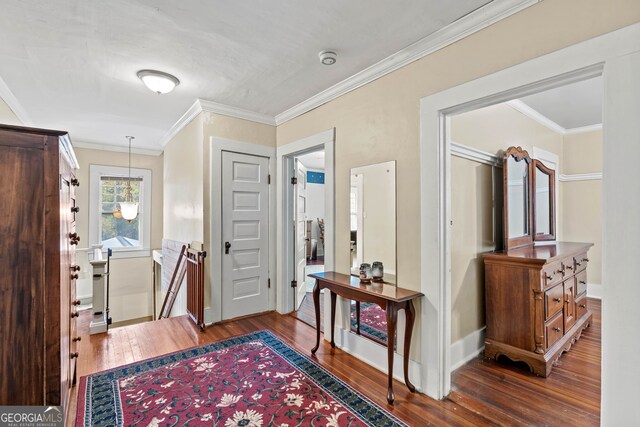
<point>553,301</point>
<point>580,262</point>
<point>581,307</point>
<point>554,329</point>
<point>552,274</point>
<point>581,283</point>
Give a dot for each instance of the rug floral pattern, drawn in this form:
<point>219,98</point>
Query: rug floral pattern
<point>253,381</point>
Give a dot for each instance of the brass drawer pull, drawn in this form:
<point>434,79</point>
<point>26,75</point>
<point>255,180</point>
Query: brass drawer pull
<point>74,276</point>
<point>75,209</point>
<point>556,329</point>
<point>77,339</point>
<point>569,267</point>
<point>73,355</point>
<point>556,299</point>
<point>546,276</point>
<point>75,268</point>
<point>582,282</point>
<point>76,302</point>
<point>75,182</point>
<point>583,305</point>
<point>76,314</point>
<point>585,259</point>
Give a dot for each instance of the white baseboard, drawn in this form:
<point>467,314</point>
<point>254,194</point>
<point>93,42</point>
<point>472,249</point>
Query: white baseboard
<point>375,355</point>
<point>594,290</point>
<point>467,348</point>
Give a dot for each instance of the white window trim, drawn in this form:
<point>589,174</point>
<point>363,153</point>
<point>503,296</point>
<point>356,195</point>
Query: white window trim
<point>95,171</point>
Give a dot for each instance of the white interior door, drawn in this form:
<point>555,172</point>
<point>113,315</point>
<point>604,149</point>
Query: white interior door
<point>245,234</point>
<point>301,231</point>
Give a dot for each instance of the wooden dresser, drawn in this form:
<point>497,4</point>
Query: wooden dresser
<point>37,271</point>
<point>536,303</point>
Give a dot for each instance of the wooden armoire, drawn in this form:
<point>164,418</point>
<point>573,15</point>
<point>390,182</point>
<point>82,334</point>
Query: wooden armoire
<point>38,334</point>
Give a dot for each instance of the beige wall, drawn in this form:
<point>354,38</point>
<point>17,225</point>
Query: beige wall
<point>582,200</point>
<point>183,185</point>
<point>130,280</point>
<point>380,121</point>
<point>491,129</point>
<point>187,175</point>
<point>7,116</point>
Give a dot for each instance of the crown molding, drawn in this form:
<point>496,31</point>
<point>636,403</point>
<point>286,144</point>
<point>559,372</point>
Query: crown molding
<point>183,121</point>
<point>463,27</point>
<point>475,155</point>
<point>240,113</point>
<point>13,103</point>
<point>203,105</point>
<point>115,148</point>
<point>594,176</point>
<point>520,106</point>
<point>583,129</point>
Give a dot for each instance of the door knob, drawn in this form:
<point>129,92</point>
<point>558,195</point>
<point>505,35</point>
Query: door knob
<point>227,245</point>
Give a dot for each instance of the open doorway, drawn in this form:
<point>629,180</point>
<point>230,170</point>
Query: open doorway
<point>561,130</point>
<point>308,186</point>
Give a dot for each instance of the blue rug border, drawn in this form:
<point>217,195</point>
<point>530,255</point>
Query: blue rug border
<point>99,385</point>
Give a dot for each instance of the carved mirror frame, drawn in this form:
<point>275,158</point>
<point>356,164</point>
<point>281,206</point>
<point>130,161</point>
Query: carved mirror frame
<point>519,155</point>
<point>538,165</point>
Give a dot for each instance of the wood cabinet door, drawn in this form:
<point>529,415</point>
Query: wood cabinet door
<point>22,233</point>
<point>569,305</point>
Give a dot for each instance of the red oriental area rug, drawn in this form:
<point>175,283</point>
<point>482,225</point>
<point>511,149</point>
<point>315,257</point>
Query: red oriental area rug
<point>253,380</point>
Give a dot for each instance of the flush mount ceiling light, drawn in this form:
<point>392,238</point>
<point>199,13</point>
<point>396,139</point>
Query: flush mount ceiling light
<point>158,81</point>
<point>328,57</point>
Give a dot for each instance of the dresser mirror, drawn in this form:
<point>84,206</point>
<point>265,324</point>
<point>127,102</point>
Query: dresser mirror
<point>373,238</point>
<point>517,198</point>
<point>544,202</point>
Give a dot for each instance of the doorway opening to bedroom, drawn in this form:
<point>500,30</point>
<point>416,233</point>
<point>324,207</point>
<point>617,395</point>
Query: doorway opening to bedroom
<point>308,191</point>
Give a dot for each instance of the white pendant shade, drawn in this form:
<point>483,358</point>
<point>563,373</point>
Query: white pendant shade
<point>158,81</point>
<point>129,210</point>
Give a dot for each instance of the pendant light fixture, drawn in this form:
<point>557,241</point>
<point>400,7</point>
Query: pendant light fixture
<point>128,208</point>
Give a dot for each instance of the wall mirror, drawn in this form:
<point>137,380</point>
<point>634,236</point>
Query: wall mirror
<point>544,208</point>
<point>517,171</point>
<point>373,238</point>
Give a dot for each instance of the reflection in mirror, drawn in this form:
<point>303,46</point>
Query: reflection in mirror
<point>373,217</point>
<point>543,224</point>
<point>544,203</point>
<point>373,239</point>
<point>518,197</point>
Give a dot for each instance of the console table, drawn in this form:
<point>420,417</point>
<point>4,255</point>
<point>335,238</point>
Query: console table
<point>390,297</point>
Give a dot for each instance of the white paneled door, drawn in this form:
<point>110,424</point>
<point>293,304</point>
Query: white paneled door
<point>245,234</point>
<point>301,231</point>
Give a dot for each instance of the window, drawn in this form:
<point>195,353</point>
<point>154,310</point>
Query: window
<point>108,186</point>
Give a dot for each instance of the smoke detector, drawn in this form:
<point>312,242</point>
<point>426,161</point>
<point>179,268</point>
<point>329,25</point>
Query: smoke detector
<point>328,57</point>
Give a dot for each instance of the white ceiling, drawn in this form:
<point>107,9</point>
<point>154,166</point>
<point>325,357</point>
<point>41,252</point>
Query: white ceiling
<point>571,106</point>
<point>71,64</point>
<point>313,160</point>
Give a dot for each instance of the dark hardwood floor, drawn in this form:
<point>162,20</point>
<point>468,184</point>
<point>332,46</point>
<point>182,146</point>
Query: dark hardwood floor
<point>485,393</point>
<point>307,313</point>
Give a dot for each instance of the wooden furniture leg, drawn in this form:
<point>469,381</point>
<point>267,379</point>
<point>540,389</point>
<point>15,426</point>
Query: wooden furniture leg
<point>316,304</point>
<point>358,317</point>
<point>333,317</point>
<point>392,317</point>
<point>411,317</point>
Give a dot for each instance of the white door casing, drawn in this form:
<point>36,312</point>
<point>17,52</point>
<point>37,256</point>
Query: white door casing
<point>245,234</point>
<point>301,231</point>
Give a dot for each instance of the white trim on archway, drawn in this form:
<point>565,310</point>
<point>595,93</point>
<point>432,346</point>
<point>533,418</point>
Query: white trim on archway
<point>598,56</point>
